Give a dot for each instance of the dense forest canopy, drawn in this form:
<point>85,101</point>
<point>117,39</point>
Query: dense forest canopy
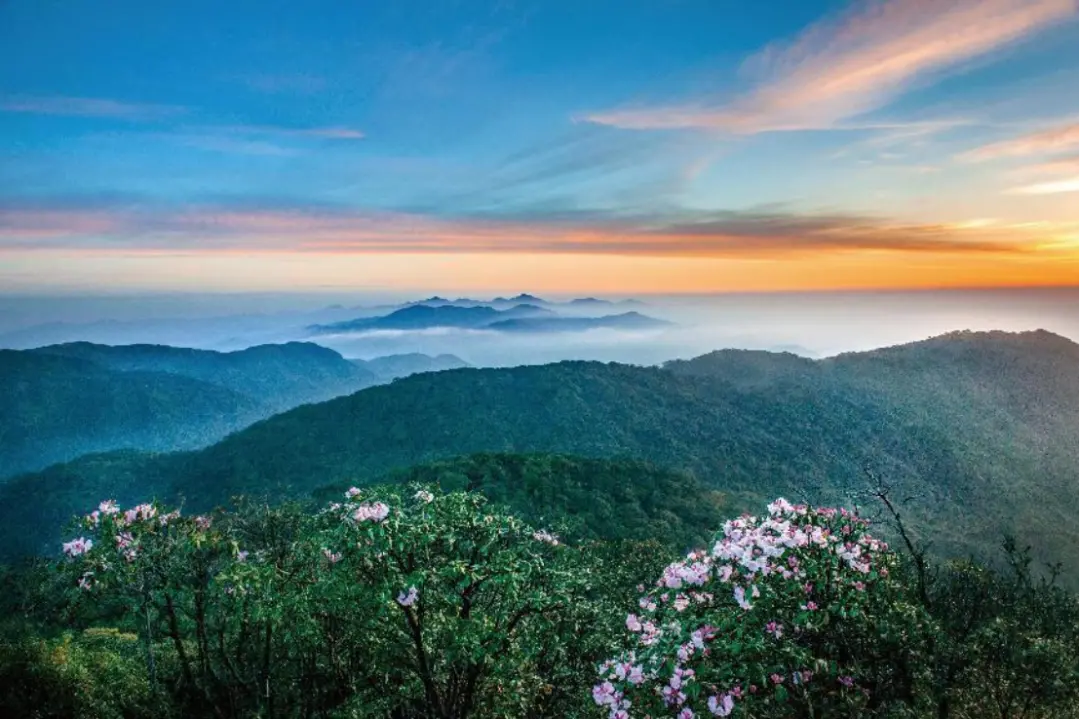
<point>977,429</point>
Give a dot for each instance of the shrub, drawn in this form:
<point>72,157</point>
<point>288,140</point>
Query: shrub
<point>397,602</point>
<point>798,613</point>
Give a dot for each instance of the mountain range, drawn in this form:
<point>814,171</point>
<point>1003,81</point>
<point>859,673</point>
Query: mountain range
<point>62,401</point>
<point>515,318</point>
<point>977,429</point>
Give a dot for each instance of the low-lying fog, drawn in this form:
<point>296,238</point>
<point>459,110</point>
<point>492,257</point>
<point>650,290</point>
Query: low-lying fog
<point>813,325</point>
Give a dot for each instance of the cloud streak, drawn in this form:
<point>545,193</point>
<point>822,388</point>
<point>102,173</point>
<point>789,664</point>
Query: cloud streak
<point>88,107</point>
<point>1069,184</point>
<point>842,68</point>
<point>321,133</point>
<point>674,233</point>
<point>1047,141</point>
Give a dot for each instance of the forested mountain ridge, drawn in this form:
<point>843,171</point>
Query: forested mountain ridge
<point>63,401</point>
<point>589,499</point>
<point>278,376</point>
<point>943,421</point>
<point>54,408</point>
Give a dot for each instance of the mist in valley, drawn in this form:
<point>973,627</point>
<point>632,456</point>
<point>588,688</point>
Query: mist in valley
<point>809,324</point>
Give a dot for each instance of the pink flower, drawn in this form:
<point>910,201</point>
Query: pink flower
<point>85,582</point>
<point>604,694</point>
<point>376,512</point>
<point>352,492</point>
<point>241,556</point>
<point>721,706</point>
<point>775,629</point>
<point>202,523</point>
<point>79,546</point>
<point>332,557</point>
<point>108,507</point>
<point>776,679</point>
<point>142,511</point>
<point>847,681</point>
<point>633,623</point>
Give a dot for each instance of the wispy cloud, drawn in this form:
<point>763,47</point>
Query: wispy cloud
<point>231,145</point>
<point>1069,184</point>
<point>88,107</point>
<point>1051,140</point>
<point>258,140</point>
<point>323,133</point>
<point>845,67</point>
<point>1066,164</point>
<point>763,233</point>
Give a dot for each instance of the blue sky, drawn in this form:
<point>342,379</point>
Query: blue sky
<point>244,144</point>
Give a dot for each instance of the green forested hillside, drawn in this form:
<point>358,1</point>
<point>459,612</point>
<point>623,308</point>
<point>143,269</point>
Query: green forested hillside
<point>62,401</point>
<point>277,376</point>
<point>53,408</point>
<point>584,498</point>
<point>977,429</point>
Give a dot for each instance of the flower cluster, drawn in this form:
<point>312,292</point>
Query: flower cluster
<point>715,618</point>
<point>376,512</point>
<point>79,546</point>
<point>407,599</point>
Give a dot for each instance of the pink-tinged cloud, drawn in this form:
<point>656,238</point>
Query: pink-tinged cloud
<point>1058,166</point>
<point>1051,140</point>
<point>842,68</point>
<point>1068,184</point>
<point>45,224</point>
<point>88,107</point>
<point>331,133</point>
<point>724,234</point>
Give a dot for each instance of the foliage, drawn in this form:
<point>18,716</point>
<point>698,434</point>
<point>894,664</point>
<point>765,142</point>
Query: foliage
<point>797,614</point>
<point>94,674</point>
<point>397,603</point>
<point>589,498</point>
<point>947,418</point>
<point>408,601</point>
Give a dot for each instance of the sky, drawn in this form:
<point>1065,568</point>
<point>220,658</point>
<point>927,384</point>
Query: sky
<point>605,147</point>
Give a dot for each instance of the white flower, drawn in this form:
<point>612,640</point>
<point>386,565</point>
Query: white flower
<point>407,599</point>
<point>545,536</point>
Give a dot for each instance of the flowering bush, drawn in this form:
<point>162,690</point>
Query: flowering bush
<point>795,612</point>
<point>409,602</point>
